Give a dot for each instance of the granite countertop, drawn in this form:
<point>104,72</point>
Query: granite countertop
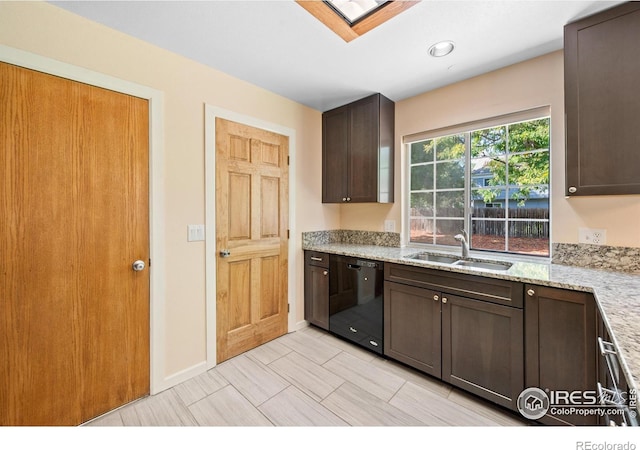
<point>617,294</point>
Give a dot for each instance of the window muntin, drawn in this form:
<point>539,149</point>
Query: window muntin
<point>493,182</point>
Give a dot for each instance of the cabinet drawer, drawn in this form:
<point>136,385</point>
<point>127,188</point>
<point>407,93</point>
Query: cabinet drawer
<point>492,290</point>
<point>316,259</point>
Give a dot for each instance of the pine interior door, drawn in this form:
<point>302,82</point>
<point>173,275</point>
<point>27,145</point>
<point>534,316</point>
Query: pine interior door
<point>251,237</point>
<point>74,316</point>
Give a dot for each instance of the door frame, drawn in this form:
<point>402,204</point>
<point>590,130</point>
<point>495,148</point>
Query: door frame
<point>158,381</point>
<point>211,113</point>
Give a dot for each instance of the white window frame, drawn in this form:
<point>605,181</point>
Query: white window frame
<point>502,120</point>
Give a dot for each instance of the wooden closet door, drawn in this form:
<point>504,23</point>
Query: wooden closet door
<point>74,315</point>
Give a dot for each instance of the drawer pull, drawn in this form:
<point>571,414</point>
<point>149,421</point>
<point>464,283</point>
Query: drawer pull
<point>374,343</point>
<point>315,258</point>
<point>353,330</point>
<point>608,351</point>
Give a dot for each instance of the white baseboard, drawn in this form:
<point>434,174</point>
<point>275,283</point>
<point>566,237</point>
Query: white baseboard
<point>180,377</point>
<point>299,325</point>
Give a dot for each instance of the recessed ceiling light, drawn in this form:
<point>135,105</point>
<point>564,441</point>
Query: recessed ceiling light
<point>441,48</point>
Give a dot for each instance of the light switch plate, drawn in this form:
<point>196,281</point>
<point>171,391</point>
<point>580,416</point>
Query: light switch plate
<point>195,233</point>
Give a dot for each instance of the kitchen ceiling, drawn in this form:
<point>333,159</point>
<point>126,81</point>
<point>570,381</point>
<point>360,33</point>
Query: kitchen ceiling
<point>278,45</point>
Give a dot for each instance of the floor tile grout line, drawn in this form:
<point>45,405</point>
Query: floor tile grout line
<point>398,390</point>
<point>274,373</point>
<point>319,403</point>
<point>186,407</point>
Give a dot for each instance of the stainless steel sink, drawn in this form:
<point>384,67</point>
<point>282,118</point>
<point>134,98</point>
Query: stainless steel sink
<point>434,258</point>
<point>454,261</point>
<point>483,265</point>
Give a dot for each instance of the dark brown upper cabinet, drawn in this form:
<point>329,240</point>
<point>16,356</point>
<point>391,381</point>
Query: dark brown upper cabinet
<point>357,152</point>
<point>602,102</point>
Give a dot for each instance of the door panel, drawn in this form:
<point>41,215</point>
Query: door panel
<point>74,318</point>
<point>412,332</point>
<point>269,282</point>
<point>240,291</point>
<point>239,206</point>
<point>482,348</point>
<point>252,220</point>
<point>270,219</point>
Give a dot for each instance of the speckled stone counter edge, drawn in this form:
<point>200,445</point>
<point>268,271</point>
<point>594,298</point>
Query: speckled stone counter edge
<point>379,238</point>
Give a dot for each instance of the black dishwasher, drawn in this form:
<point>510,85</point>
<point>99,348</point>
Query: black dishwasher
<point>355,300</point>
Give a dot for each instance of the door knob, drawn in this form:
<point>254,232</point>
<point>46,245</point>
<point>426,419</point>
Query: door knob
<point>225,253</point>
<point>138,265</point>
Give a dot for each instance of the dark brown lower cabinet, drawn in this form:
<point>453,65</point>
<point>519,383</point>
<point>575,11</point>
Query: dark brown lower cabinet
<point>412,327</point>
<point>473,344</point>
<point>316,289</point>
<point>482,348</point>
<point>560,346</point>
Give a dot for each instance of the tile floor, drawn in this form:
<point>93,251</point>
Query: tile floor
<point>310,378</point>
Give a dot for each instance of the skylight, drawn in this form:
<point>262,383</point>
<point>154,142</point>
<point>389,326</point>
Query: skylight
<point>352,18</point>
<point>353,10</point>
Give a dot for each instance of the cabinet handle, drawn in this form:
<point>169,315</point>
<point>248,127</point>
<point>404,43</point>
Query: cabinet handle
<point>436,298</point>
<point>444,299</point>
<point>348,199</point>
<point>344,199</point>
<point>353,330</point>
<point>374,343</point>
<point>315,258</point>
<point>573,190</point>
<point>531,292</point>
<point>325,273</point>
<point>606,347</point>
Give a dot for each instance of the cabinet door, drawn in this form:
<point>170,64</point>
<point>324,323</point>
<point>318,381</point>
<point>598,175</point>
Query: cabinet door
<point>412,326</point>
<point>335,147</point>
<point>602,68</point>
<point>482,348</point>
<point>560,344</point>
<point>316,296</point>
<point>362,178</point>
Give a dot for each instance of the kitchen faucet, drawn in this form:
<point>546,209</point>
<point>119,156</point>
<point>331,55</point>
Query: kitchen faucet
<point>464,241</point>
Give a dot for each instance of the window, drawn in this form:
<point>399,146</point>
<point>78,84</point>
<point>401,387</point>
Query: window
<point>492,181</point>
